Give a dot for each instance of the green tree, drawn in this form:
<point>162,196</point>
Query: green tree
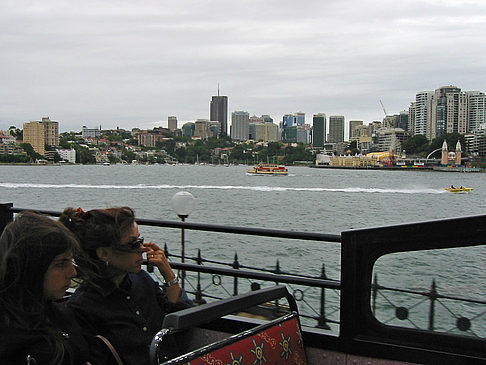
<point>84,155</point>
<point>128,156</point>
<point>30,151</point>
<point>14,158</point>
<point>416,145</point>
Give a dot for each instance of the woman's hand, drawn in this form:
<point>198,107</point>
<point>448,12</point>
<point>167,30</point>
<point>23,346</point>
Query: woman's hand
<point>156,257</point>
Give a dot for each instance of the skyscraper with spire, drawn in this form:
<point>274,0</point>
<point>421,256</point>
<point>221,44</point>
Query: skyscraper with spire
<point>218,110</point>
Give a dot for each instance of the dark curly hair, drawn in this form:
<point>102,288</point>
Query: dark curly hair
<point>96,228</point>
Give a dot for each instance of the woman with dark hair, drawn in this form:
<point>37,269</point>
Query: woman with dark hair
<point>36,270</point>
<point>117,299</point>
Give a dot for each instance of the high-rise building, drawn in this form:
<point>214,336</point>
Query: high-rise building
<point>319,130</point>
<point>423,111</point>
<point>477,111</point>
<point>438,121</point>
<point>172,122</point>
<point>411,117</point>
<point>240,125</point>
<point>40,134</point>
<point>218,111</point>
<point>403,120</point>
<point>90,132</point>
<point>201,129</point>
<point>457,112</point>
<point>188,129</point>
<point>267,119</point>
<point>266,132</point>
<point>336,129</point>
<point>352,128</point>
<point>288,120</point>
<point>300,118</point>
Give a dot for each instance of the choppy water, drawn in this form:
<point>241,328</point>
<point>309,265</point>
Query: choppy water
<point>316,200</point>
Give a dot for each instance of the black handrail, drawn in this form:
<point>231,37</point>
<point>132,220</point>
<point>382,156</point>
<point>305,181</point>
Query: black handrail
<point>311,236</point>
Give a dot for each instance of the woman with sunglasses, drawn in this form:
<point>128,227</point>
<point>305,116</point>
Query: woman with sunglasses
<point>36,269</point>
<point>117,299</point>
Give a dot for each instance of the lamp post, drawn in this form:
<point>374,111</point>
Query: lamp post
<point>182,203</point>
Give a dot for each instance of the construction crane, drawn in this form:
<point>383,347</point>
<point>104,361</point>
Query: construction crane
<point>383,108</point>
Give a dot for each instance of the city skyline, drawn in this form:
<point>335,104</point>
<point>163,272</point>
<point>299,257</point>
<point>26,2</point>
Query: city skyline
<point>136,64</point>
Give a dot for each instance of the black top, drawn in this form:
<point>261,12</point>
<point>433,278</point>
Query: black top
<point>128,316</point>
<point>17,344</point>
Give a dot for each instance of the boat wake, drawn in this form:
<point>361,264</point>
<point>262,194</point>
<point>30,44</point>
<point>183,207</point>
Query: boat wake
<point>226,187</point>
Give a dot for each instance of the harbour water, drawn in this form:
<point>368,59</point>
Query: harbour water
<point>314,200</point>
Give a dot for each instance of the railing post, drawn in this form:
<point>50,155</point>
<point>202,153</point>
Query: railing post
<point>236,265</point>
<point>374,293</point>
<point>433,298</point>
<point>277,271</point>
<point>322,317</point>
<point>199,299</point>
<point>6,215</point>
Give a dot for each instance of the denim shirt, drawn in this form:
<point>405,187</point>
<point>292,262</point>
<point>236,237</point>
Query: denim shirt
<point>128,315</point>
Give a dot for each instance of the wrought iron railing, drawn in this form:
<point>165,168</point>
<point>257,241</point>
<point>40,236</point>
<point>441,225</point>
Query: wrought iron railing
<point>318,297</point>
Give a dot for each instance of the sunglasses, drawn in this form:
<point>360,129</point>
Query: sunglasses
<point>130,246</point>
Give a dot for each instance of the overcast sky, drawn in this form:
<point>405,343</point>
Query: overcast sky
<point>133,63</point>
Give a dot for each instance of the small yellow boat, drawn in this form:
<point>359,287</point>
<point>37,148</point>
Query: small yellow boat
<point>462,189</point>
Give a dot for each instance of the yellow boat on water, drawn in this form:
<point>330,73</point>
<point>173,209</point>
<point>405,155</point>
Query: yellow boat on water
<point>462,189</point>
<point>268,169</point>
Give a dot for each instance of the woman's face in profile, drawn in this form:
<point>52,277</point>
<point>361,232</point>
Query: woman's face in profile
<point>58,276</point>
<point>123,257</point>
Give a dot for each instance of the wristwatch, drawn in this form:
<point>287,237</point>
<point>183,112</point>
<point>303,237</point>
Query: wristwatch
<point>173,282</point>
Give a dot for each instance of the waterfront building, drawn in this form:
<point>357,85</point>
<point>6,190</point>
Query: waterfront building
<point>353,161</point>
<point>411,118</point>
<point>352,128</point>
<point>68,155</point>
<point>255,119</point>
<point>336,129</point>
<point>149,138</point>
<point>363,137</point>
<point>214,128</point>
<point>7,138</point>
<point>300,118</point>
<point>90,132</point>
<point>288,120</point>
<point>267,119</point>
<point>318,130</point>
<point>40,134</point>
<point>441,109</point>
<point>263,132</point>
<point>240,125</point>
<point>481,144</point>
<point>188,129</point>
<point>477,111</point>
<point>219,112</point>
<point>172,122</point>
<point>457,113</point>
<point>403,120</point>
<point>9,145</point>
<point>296,134</point>
<point>391,121</point>
<point>423,111</point>
<point>388,139</point>
<point>201,129</point>
<point>271,132</point>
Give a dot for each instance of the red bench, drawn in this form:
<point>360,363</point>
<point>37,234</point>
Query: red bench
<point>278,341</point>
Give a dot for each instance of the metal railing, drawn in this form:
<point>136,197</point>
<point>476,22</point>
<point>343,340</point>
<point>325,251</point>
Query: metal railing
<point>210,280</point>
